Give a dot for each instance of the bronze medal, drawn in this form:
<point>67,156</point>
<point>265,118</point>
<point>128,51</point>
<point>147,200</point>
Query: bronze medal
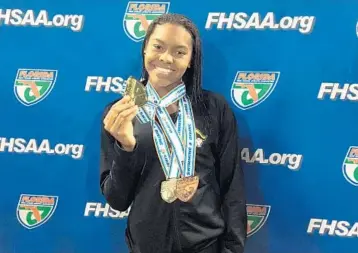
<point>186,188</point>
<point>167,190</point>
<point>136,91</point>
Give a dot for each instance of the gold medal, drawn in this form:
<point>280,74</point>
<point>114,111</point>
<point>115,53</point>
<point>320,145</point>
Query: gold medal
<point>167,190</point>
<point>136,91</point>
<point>186,188</point>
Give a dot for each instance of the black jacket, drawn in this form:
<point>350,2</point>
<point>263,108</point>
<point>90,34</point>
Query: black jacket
<point>217,212</point>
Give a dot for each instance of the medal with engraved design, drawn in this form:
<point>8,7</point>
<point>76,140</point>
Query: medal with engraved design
<point>136,91</point>
<point>167,190</point>
<point>186,188</point>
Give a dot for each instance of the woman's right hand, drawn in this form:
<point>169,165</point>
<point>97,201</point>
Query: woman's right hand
<point>118,122</point>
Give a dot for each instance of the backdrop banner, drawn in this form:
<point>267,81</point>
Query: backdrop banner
<point>289,70</point>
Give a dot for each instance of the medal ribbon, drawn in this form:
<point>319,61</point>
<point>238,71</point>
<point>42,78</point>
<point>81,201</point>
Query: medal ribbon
<point>181,136</point>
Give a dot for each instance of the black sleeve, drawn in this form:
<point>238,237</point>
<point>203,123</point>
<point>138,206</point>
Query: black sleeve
<point>119,170</point>
<point>231,184</point>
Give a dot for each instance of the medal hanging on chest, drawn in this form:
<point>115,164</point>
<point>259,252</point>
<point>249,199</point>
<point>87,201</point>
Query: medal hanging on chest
<point>168,190</point>
<point>186,188</point>
<point>178,163</point>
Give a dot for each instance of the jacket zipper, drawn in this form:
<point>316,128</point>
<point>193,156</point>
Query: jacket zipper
<point>175,224</point>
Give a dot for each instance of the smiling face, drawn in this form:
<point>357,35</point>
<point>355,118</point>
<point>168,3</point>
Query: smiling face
<point>168,54</point>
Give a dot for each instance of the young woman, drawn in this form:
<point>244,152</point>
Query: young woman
<point>178,170</point>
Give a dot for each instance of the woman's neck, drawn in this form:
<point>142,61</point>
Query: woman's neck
<point>162,91</point>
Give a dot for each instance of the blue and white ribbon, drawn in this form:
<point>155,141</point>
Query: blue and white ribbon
<point>181,137</point>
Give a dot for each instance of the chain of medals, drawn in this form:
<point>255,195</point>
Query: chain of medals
<point>175,143</point>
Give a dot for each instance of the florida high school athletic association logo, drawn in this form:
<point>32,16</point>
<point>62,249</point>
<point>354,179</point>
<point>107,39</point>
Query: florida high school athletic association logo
<point>31,86</point>
<point>350,166</point>
<point>35,210</point>
<point>256,217</point>
<point>139,15</point>
<point>251,88</point>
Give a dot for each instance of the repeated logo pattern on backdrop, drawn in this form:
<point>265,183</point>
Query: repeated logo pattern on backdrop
<point>34,210</point>
<point>139,15</point>
<point>20,17</point>
<point>245,21</point>
<point>292,86</point>
<point>350,166</point>
<point>251,88</point>
<point>33,85</point>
